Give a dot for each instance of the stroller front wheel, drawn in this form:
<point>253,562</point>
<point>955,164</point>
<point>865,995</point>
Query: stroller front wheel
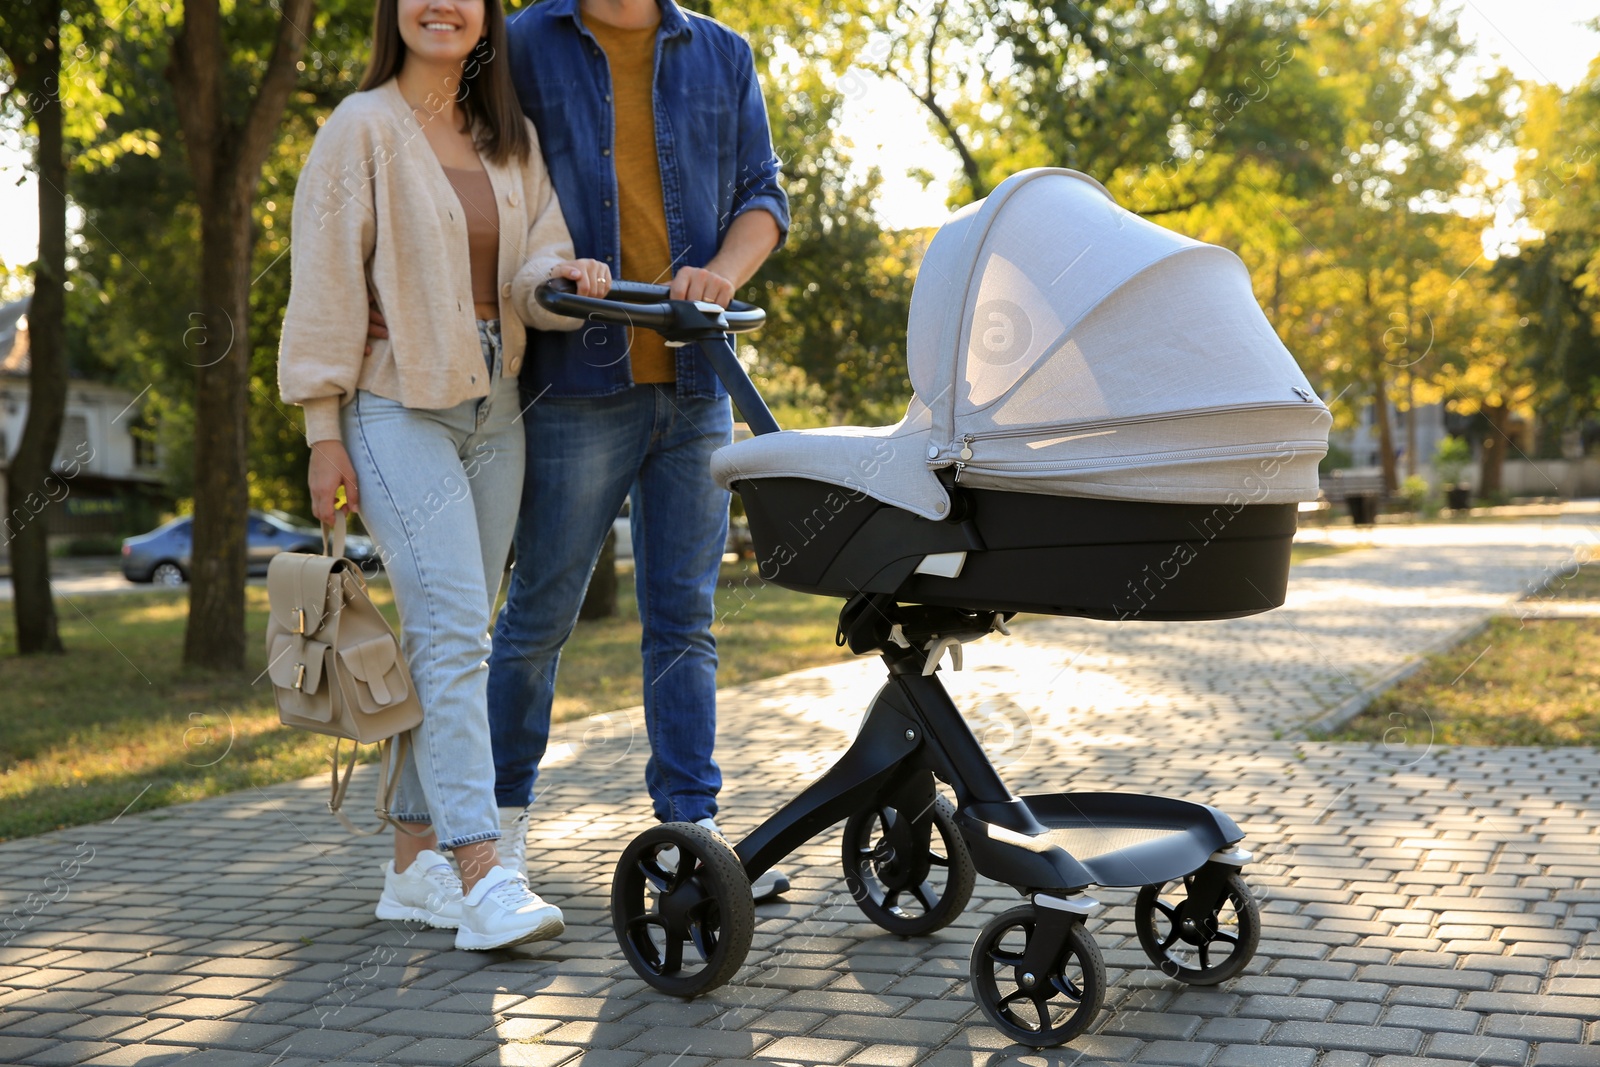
<point>1198,949</point>
<point>681,909</point>
<point>903,879</point>
<point>1038,975</point>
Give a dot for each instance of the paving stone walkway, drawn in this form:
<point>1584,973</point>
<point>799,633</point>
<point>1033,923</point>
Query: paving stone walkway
<point>1422,905</point>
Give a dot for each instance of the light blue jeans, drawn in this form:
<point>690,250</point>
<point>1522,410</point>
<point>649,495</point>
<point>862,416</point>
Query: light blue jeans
<point>585,457</point>
<point>439,493</point>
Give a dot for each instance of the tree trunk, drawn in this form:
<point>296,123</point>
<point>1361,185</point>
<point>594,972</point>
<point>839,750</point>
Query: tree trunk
<point>31,487</point>
<point>1378,352</point>
<point>600,599</point>
<point>1411,425</point>
<point>1492,457</point>
<point>225,155</point>
<point>217,342</point>
<point>1391,481</point>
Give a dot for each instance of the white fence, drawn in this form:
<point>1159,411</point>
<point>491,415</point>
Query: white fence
<point>1550,477</point>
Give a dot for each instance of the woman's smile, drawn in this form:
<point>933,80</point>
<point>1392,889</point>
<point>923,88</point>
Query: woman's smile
<point>441,32</point>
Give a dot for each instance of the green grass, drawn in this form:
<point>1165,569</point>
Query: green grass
<point>1569,583</point>
<point>1301,552</point>
<point>116,722</point>
<point>1520,682</point>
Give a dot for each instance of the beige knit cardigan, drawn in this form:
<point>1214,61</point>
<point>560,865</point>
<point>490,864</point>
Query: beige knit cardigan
<point>374,212</point>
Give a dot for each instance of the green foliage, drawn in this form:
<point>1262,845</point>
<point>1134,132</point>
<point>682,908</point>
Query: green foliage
<point>1451,459</point>
<point>1562,320</point>
<point>132,319</point>
<point>1414,492</point>
<point>97,545</point>
<point>1327,143</point>
<point>1338,458</point>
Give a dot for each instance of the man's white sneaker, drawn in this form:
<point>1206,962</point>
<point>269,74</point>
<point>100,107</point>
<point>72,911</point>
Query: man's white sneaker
<point>502,911</point>
<point>513,844</point>
<point>768,884</point>
<point>428,891</point>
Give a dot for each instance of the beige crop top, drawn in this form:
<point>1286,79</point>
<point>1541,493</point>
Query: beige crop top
<point>483,235</point>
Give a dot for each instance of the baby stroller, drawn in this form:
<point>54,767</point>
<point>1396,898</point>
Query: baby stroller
<point>1105,426</point>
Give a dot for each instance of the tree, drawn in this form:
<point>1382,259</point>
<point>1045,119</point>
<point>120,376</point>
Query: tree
<point>840,293</point>
<point>134,282</point>
<point>1562,323</point>
<point>1555,276</point>
<point>30,37</point>
<point>1484,367</point>
<point>1376,243</point>
<point>226,151</point>
<point>1161,102</point>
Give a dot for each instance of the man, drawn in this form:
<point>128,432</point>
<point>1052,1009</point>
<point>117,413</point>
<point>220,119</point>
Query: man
<point>656,135</point>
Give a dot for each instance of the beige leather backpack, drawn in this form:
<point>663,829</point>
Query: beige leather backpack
<point>336,666</point>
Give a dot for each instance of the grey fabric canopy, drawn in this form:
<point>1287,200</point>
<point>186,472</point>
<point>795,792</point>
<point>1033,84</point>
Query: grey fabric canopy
<point>1059,344</point>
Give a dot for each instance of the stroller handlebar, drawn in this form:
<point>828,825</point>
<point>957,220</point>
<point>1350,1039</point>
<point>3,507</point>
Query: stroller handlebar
<point>679,321</point>
<point>650,306</point>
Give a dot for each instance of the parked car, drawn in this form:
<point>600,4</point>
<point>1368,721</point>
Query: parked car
<point>163,555</point>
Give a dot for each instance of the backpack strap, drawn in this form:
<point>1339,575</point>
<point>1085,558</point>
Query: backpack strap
<point>392,754</point>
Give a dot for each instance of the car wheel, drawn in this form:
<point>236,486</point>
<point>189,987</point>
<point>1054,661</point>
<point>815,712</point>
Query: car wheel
<point>169,574</point>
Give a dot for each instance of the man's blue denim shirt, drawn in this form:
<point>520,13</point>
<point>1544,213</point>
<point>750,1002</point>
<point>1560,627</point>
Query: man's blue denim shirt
<point>716,159</point>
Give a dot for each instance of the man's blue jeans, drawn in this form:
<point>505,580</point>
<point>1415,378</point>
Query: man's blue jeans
<point>585,456</point>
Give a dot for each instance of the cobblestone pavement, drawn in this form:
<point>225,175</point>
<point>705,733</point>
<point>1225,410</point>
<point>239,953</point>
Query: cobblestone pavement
<point>1422,905</point>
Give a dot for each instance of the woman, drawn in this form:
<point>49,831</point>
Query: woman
<point>426,191</point>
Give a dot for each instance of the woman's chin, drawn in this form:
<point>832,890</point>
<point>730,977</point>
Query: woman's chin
<point>443,53</point>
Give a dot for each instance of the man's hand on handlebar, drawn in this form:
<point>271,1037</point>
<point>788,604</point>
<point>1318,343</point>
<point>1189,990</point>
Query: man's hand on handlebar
<point>698,283</point>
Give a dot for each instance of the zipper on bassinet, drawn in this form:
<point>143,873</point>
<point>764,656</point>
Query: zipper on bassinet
<point>966,454</point>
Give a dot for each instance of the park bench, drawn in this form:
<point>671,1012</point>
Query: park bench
<point>1361,492</point>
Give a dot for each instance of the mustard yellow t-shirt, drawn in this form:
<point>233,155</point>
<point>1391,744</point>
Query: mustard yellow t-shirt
<point>646,249</point>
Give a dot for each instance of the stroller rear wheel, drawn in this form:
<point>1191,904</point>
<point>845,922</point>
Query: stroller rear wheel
<point>904,880</point>
<point>678,885</point>
<point>1038,976</point>
<point>1198,949</point>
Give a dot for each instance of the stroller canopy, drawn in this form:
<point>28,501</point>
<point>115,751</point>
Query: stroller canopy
<point>1059,344</point>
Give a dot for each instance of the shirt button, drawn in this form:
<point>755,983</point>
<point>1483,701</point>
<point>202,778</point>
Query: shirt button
<point>608,98</point>
<point>605,151</point>
<point>513,199</point>
<point>608,259</point>
<point>505,291</point>
<point>608,203</point>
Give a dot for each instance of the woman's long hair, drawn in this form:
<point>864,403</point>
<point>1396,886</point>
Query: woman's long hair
<point>486,97</point>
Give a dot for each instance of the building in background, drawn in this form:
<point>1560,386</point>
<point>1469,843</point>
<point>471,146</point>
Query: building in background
<point>1526,472</point>
<point>1361,443</point>
<point>110,475</point>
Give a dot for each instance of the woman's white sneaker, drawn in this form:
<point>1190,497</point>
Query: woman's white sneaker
<point>428,891</point>
<point>502,911</point>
